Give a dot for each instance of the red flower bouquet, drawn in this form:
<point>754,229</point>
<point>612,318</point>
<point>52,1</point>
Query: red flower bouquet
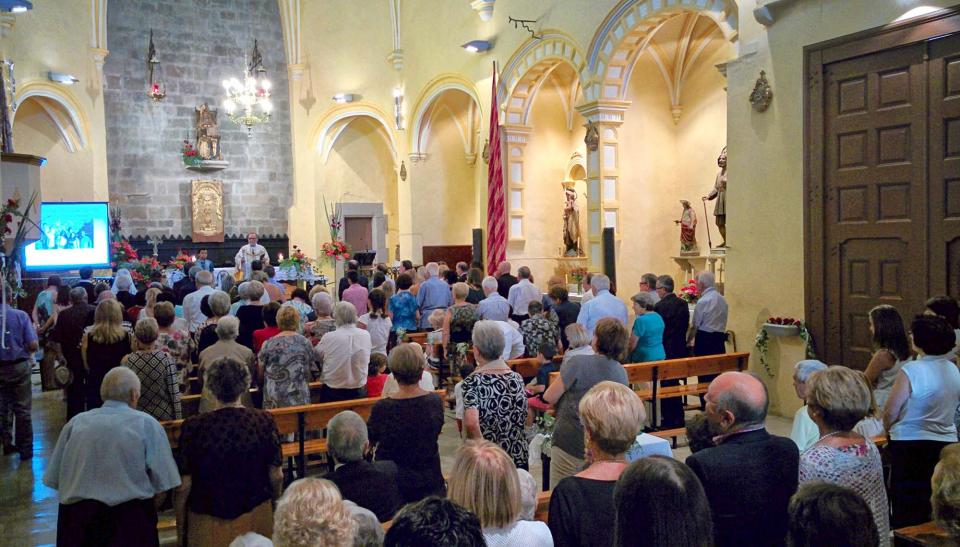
<point>335,251</point>
<point>689,292</point>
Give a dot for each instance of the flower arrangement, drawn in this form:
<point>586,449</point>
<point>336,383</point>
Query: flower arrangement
<point>689,292</point>
<point>762,340</point>
<point>144,268</point>
<point>298,261</point>
<point>9,213</point>
<point>335,251</point>
<point>189,154</point>
<point>578,273</point>
<point>122,253</point>
<point>180,261</point>
<point>335,222</point>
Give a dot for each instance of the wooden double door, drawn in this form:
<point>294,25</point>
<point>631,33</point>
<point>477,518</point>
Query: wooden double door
<point>883,180</point>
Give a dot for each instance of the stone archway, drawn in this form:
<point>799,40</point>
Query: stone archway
<point>62,111</point>
<point>430,104</point>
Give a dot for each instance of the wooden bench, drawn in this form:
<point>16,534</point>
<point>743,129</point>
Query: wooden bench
<point>922,534</point>
<point>654,372</point>
<point>543,506</point>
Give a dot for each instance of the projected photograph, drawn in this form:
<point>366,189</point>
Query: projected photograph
<point>72,235</point>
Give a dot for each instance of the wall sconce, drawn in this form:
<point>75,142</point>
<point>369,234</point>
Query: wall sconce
<point>155,88</point>
<point>61,78</point>
<point>398,107</point>
<point>477,46</point>
<point>344,98</point>
<point>403,171</point>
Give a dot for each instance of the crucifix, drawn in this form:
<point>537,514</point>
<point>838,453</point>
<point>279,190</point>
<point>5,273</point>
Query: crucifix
<point>154,242</point>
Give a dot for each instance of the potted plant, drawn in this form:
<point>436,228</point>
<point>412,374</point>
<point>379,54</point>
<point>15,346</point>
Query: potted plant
<point>782,326</point>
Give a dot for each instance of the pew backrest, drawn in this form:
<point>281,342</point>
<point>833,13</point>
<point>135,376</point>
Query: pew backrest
<point>674,369</point>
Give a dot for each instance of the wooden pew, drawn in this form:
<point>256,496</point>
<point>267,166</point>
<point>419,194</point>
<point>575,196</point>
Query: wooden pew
<point>922,534</point>
<point>672,369</point>
<point>543,506</point>
<point>527,367</point>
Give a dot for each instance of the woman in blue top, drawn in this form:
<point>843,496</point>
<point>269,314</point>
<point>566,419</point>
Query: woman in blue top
<point>646,338</point>
<point>403,309</point>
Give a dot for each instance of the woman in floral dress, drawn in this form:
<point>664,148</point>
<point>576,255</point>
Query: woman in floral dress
<point>176,343</point>
<point>286,363</point>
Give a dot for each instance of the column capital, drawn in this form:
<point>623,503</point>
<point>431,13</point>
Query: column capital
<point>605,111</point>
<point>296,70</point>
<point>517,133</point>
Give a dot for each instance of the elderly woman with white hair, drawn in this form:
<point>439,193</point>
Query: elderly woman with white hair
<point>230,464</point>
<point>124,288</point>
<point>250,312</point>
<point>312,512</point>
<point>646,337</point>
<point>323,308</point>
<point>579,341</point>
<point>218,302</point>
<point>226,346</point>
<point>494,400</point>
<point>157,370</point>
<point>344,355</point>
<point>804,431</point>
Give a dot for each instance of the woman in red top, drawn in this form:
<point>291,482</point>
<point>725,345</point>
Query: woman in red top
<point>270,329</point>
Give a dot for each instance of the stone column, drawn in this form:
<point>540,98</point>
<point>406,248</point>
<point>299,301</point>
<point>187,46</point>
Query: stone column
<point>603,175</point>
<point>514,143</point>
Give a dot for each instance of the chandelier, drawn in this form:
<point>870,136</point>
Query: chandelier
<point>248,101</point>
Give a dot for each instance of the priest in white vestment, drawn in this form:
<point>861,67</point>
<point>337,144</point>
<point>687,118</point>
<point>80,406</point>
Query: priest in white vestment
<point>248,254</point>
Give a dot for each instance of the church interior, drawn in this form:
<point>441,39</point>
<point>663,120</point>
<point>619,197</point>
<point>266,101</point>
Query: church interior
<point>206,144</point>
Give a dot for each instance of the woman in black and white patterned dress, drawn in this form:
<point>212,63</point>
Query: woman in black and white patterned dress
<point>159,379</point>
<point>493,396</point>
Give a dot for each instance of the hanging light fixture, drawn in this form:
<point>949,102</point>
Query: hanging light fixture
<point>248,101</point>
<point>155,88</point>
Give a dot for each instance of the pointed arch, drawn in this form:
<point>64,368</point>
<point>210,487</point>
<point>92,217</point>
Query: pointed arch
<point>627,31</point>
<point>331,126</point>
<point>530,66</point>
<point>427,109</point>
<point>63,110</point>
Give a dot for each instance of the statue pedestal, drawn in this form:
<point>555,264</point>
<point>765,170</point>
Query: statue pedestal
<point>208,166</point>
<point>690,265</point>
<point>566,264</point>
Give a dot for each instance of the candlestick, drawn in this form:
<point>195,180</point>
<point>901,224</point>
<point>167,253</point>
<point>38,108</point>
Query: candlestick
<point>281,256</point>
<point>193,258</point>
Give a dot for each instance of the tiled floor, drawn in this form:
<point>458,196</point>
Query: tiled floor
<point>28,509</point>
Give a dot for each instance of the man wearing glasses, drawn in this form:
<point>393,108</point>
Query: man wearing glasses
<point>248,253</point>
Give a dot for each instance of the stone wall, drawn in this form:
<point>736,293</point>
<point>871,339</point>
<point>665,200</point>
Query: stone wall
<point>200,43</point>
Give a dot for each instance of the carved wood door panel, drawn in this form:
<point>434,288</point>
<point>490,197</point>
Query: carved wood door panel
<point>944,150</point>
<point>874,194</point>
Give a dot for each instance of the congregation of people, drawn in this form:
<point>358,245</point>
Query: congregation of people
<point>133,355</point>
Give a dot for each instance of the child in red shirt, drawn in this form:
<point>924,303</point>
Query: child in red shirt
<point>375,374</point>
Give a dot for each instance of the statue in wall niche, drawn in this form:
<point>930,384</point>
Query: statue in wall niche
<point>719,193</point>
<point>571,221</point>
<point>208,133</point>
<point>688,230</point>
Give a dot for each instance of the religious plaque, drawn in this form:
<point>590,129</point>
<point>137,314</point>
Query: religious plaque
<point>206,200</point>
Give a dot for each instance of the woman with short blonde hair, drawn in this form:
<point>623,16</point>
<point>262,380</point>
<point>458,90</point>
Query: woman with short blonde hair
<point>579,341</point>
<point>946,491</point>
<point>103,347</point>
<point>581,506</point>
<point>157,370</point>
<point>287,361</point>
<point>484,481</point>
<point>837,399</point>
<point>311,512</point>
<point>151,301</point>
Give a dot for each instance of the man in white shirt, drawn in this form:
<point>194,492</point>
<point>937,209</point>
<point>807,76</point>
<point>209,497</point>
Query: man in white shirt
<point>109,467</point>
<point>603,304</point>
<point>513,347</point>
<point>587,294</point>
<point>494,307</point>
<point>249,253</point>
<point>521,294</point>
<point>191,302</point>
<point>345,356</point>
<point>708,333</point>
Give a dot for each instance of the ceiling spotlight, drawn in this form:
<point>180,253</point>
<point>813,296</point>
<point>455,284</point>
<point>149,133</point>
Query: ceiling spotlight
<point>16,6</point>
<point>477,46</point>
<point>59,77</point>
<point>343,98</point>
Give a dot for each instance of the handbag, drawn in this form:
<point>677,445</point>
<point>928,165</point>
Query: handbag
<point>62,375</point>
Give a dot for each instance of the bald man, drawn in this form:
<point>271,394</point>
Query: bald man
<point>750,475</point>
<point>505,279</point>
